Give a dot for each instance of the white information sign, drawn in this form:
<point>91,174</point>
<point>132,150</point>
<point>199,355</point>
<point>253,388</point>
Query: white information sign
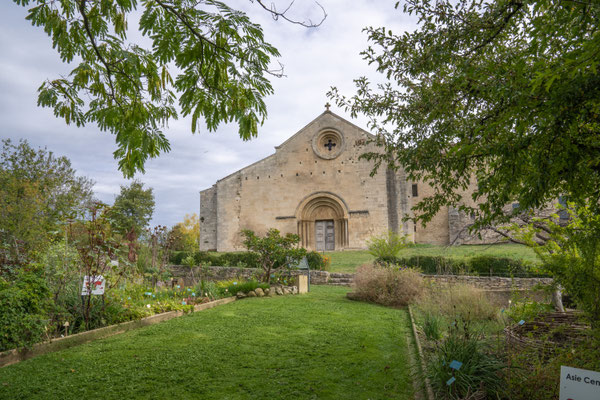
<point>579,384</point>
<point>97,285</point>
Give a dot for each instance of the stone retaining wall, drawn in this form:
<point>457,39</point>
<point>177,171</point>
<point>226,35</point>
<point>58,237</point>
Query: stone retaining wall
<point>324,277</point>
<point>225,273</point>
<point>491,282</point>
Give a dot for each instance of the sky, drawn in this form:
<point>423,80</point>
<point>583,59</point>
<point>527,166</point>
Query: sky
<point>314,59</point>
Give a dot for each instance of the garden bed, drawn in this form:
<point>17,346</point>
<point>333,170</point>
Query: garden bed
<point>548,332</point>
<point>14,356</point>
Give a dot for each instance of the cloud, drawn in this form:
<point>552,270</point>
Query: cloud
<point>314,59</point>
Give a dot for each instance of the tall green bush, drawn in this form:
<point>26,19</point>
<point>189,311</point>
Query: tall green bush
<point>316,261</point>
<point>273,250</point>
<point>385,248</point>
<point>24,304</point>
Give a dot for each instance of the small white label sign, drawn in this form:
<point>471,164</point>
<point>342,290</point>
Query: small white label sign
<point>97,285</point>
<point>579,384</point>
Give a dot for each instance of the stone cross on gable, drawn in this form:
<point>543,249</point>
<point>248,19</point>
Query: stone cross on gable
<point>329,145</point>
<point>327,105</point>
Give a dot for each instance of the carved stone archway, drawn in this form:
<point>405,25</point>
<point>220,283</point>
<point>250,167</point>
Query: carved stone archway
<point>322,206</point>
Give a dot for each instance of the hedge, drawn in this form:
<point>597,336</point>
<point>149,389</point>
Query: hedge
<point>234,259</point>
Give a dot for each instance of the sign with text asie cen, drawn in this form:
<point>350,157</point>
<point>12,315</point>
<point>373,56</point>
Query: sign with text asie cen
<point>579,384</point>
<point>95,285</point>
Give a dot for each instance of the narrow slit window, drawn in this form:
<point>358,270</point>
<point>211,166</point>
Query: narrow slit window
<point>415,190</point>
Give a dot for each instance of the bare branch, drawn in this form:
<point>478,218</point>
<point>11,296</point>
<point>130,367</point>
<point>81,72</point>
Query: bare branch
<point>277,72</point>
<point>282,14</point>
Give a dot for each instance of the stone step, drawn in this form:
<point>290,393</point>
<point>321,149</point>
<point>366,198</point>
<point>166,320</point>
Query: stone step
<point>339,280</point>
<point>340,275</point>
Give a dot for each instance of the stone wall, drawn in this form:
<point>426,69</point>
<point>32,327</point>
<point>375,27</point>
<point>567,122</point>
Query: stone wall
<point>436,230</point>
<point>491,282</point>
<point>324,278</point>
<point>226,273</point>
<point>208,219</point>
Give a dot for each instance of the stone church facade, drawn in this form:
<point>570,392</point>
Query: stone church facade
<point>314,185</point>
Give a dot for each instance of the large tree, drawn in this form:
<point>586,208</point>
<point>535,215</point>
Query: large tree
<point>504,94</point>
<point>133,209</point>
<point>210,57</point>
<point>186,234</point>
<point>39,192</point>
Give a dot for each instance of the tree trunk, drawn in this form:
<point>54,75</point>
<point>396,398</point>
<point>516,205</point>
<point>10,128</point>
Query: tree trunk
<point>132,244</point>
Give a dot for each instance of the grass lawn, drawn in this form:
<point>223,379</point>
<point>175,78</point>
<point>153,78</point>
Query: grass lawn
<point>315,346</point>
<point>348,261</point>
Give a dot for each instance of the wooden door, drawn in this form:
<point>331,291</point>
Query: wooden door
<point>329,236</point>
<point>324,235</point>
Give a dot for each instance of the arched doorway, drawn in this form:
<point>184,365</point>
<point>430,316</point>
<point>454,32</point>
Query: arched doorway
<point>323,222</point>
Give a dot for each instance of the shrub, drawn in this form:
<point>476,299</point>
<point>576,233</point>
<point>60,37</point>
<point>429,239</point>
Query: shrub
<point>316,261</point>
<point>385,248</point>
<point>23,306</point>
<point>189,261</point>
<point>387,286</point>
<point>479,371</point>
<point>202,257</point>
<point>240,259</point>
<point>177,257</point>
<point>497,266</point>
<point>273,250</point>
<point>434,265</point>
<point>458,301</point>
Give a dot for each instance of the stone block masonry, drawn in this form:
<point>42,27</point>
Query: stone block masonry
<point>327,278</point>
<point>491,282</point>
<point>208,219</point>
<point>188,274</point>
